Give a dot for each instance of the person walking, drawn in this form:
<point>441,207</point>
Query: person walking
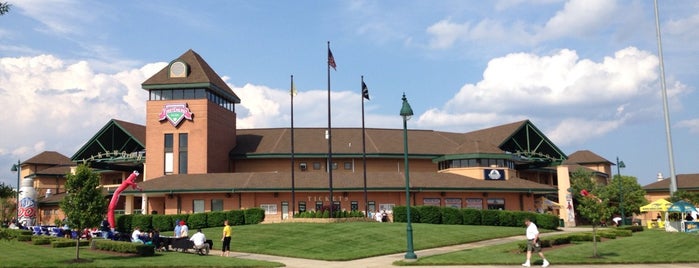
<point>533,243</point>
<point>226,239</point>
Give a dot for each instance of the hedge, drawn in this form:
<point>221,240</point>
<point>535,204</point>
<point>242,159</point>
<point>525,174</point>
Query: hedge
<point>452,215</point>
<point>215,218</point>
<point>197,220</point>
<point>163,223</point>
<point>472,216</point>
<point>468,216</point>
<point>124,247</point>
<point>66,242</point>
<point>254,215</point>
<point>429,214</point>
<point>143,221</point>
<point>236,217</point>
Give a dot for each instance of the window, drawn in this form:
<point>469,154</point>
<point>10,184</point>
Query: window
<point>336,206</point>
<point>334,165</point>
<point>432,202</point>
<point>302,206</point>
<point>316,165</point>
<point>452,202</point>
<point>476,203</point>
<point>303,166</point>
<point>198,205</point>
<point>372,206</point>
<point>269,208</point>
<point>319,205</point>
<point>183,159</point>
<point>216,204</point>
<point>169,157</point>
<point>354,206</point>
<point>496,203</point>
<point>348,165</point>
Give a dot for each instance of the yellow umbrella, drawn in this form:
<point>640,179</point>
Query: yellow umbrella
<point>657,205</point>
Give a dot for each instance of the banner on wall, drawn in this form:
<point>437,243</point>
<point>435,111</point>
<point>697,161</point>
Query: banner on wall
<point>476,203</point>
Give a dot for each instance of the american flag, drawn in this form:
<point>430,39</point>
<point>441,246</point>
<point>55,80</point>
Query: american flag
<point>365,91</point>
<point>331,60</point>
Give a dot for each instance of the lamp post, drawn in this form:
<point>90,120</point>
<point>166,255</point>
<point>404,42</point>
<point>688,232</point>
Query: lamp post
<point>406,112</point>
<point>17,168</point>
<point>619,166</point>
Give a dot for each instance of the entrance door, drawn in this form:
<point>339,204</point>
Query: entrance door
<point>285,210</point>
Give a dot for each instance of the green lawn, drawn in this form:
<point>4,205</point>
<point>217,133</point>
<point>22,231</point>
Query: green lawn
<point>643,247</point>
<point>348,241</point>
<point>24,254</point>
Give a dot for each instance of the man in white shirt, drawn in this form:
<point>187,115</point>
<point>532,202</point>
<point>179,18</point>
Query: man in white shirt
<point>533,243</point>
<point>200,244</point>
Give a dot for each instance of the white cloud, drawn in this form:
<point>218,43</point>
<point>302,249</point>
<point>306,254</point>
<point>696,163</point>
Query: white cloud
<point>577,130</point>
<point>58,16</point>
<point>559,87</point>
<point>691,124</point>
<point>56,105</point>
<point>579,18</point>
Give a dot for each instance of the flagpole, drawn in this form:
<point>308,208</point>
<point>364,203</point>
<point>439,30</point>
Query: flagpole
<point>366,201</point>
<point>668,134</point>
<point>329,137</point>
<point>293,183</point>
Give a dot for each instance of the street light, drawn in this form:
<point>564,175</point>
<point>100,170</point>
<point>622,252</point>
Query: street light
<point>619,166</point>
<point>406,112</point>
<point>17,168</point>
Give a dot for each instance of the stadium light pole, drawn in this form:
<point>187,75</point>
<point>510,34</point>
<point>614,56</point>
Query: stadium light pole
<point>619,166</point>
<point>406,112</point>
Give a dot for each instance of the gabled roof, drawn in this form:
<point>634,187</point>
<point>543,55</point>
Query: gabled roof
<point>200,75</point>
<point>311,141</point>
<point>687,182</point>
<point>586,157</point>
<point>342,181</point>
<point>49,158</point>
<point>521,138</point>
<point>112,142</point>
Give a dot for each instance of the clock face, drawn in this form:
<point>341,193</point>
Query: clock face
<point>178,69</point>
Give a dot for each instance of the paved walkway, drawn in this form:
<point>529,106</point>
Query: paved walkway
<point>387,260</point>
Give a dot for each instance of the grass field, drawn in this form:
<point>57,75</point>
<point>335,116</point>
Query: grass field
<point>643,247</point>
<point>347,241</point>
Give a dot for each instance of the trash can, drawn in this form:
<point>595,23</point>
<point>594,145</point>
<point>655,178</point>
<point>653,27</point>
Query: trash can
<point>561,223</point>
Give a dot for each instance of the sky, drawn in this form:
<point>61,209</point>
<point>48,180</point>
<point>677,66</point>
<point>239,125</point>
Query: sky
<point>585,72</point>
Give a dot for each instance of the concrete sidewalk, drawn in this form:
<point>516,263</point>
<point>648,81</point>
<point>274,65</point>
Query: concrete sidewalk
<point>387,260</point>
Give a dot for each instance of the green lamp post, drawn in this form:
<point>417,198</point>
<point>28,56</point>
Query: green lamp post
<point>619,166</point>
<point>406,112</point>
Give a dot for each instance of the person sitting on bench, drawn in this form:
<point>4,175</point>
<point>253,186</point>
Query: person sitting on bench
<point>200,244</point>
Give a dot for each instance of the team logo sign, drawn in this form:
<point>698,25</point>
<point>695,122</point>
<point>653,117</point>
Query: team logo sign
<point>175,113</point>
<point>494,174</point>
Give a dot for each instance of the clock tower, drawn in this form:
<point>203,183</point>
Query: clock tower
<point>190,119</point>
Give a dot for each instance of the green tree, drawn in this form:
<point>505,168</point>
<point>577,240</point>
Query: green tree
<point>684,195</point>
<point>7,207</point>
<point>84,204</point>
<point>4,8</point>
<point>634,195</point>
<point>595,206</point>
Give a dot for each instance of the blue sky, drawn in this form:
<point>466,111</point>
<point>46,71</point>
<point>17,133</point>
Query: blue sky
<point>585,72</point>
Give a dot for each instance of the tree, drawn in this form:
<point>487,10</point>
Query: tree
<point>6,206</point>
<point>594,206</point>
<point>634,195</point>
<point>684,195</point>
<point>84,204</point>
<point>4,8</point>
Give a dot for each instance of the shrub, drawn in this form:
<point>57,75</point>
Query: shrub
<point>490,217</point>
<point>472,216</point>
<point>236,217</point>
<point>452,215</point>
<point>41,240</point>
<point>621,232</point>
<point>400,214</point>
<point>64,243</point>
<point>197,220</point>
<point>606,234</point>
<point>162,222</point>
<point>124,223</point>
<point>561,240</point>
<point>546,221</point>
<point>125,247</point>
<point>583,237</point>
<point>143,221</point>
<point>429,214</point>
<point>506,218</point>
<point>215,218</point>
<point>254,215</point>
<point>24,238</point>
